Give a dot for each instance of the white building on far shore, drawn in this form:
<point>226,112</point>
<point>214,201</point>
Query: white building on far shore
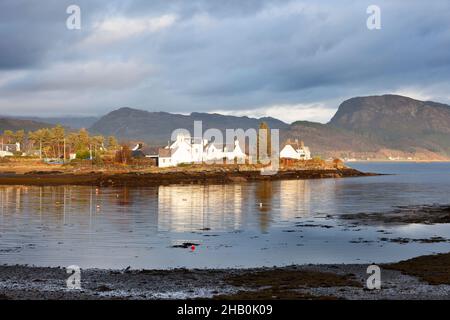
<point>7,149</point>
<point>295,150</point>
<point>186,149</point>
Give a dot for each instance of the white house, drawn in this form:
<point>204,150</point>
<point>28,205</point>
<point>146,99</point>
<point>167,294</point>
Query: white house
<point>7,149</point>
<point>196,150</point>
<point>234,152</point>
<point>164,158</point>
<point>295,150</point>
<point>212,152</point>
<point>10,147</point>
<point>5,154</point>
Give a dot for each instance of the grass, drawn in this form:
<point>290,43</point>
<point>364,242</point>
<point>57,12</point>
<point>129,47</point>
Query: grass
<point>434,269</point>
<point>285,284</point>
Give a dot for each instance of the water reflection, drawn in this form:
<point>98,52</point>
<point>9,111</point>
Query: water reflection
<point>235,224</point>
<point>181,208</point>
<point>264,196</point>
<point>199,207</point>
<point>296,199</point>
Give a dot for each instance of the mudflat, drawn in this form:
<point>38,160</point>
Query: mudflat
<point>425,277</point>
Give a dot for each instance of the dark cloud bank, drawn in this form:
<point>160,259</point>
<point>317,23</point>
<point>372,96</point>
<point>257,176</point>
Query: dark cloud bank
<point>289,59</point>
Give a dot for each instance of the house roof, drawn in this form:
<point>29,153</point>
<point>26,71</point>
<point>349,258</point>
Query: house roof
<point>151,150</point>
<point>137,154</point>
<point>163,152</point>
<point>297,144</point>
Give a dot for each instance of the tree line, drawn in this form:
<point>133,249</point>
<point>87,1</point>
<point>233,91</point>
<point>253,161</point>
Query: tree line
<point>57,142</point>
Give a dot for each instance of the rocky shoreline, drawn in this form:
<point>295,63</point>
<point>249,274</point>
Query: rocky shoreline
<point>425,214</point>
<point>425,277</point>
<point>144,179</point>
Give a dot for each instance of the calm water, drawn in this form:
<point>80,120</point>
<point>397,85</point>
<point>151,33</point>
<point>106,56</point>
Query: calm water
<point>238,225</point>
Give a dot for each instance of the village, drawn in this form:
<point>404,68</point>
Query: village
<point>183,150</point>
<point>191,150</point>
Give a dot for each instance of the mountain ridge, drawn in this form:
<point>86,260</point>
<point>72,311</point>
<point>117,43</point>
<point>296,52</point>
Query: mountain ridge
<point>366,127</point>
<point>156,127</point>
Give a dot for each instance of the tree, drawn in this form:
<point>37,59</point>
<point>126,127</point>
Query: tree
<point>51,142</point>
<point>123,155</point>
<point>8,136</point>
<point>19,136</point>
<point>112,143</point>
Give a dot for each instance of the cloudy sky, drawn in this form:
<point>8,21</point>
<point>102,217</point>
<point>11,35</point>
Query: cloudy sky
<point>295,60</point>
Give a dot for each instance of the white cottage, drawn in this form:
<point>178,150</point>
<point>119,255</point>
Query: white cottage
<point>196,150</point>
<point>234,152</point>
<point>295,150</point>
<point>7,149</point>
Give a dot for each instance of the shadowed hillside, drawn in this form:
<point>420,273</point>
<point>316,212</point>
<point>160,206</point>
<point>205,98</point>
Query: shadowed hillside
<point>156,127</point>
<point>17,124</point>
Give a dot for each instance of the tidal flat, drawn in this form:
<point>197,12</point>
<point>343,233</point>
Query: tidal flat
<point>426,277</point>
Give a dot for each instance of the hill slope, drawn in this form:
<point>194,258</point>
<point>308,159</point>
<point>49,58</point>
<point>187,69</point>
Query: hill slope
<point>397,122</point>
<point>70,122</point>
<point>156,127</point>
<point>18,124</point>
<point>375,127</point>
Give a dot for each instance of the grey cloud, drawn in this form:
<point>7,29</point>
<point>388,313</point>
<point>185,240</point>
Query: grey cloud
<point>225,55</point>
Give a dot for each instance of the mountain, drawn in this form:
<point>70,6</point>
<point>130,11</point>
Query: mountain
<point>19,124</point>
<point>372,127</point>
<point>329,141</point>
<point>157,127</point>
<point>397,122</point>
<point>73,122</point>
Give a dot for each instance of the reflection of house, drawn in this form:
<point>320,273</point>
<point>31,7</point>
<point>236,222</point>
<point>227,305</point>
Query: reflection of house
<point>196,150</point>
<point>295,150</point>
<point>194,207</point>
<point>296,199</point>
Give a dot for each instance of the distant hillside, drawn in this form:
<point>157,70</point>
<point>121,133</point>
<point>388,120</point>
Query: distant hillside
<point>328,141</point>
<point>397,122</point>
<point>18,124</point>
<point>373,127</point>
<point>156,127</point>
<point>70,122</point>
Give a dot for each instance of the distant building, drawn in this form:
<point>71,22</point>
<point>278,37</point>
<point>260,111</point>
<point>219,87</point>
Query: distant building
<point>8,149</point>
<point>295,150</point>
<point>164,158</point>
<point>186,149</point>
<point>137,152</point>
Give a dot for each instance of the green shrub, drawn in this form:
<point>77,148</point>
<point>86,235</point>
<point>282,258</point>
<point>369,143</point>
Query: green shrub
<point>184,164</point>
<point>85,154</point>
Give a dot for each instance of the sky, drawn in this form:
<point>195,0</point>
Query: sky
<point>293,60</point>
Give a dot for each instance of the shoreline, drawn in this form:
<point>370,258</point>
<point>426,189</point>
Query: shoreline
<point>399,161</point>
<point>145,179</point>
<point>410,279</point>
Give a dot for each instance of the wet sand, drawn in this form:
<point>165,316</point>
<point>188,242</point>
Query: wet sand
<point>425,277</point>
<point>144,179</point>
